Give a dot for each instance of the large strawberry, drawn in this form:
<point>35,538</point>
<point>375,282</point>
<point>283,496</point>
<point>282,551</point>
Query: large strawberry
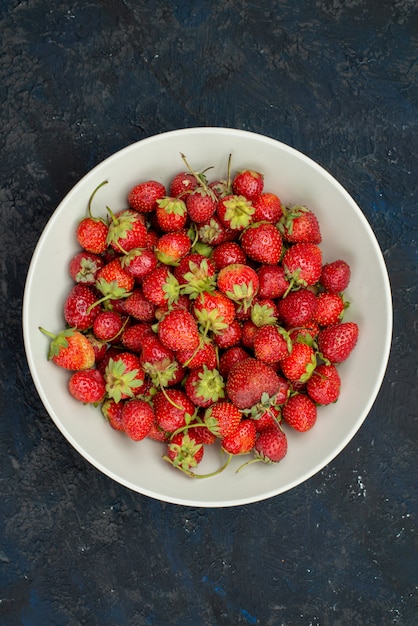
<point>239,282</point>
<point>335,343</point>
<point>303,264</point>
<point>70,349</point>
<point>262,242</point>
<point>248,380</point>
<point>178,330</point>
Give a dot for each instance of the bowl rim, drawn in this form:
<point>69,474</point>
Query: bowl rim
<point>380,374</point>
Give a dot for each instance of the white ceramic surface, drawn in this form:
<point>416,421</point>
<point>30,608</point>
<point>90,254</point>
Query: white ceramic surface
<point>346,234</point>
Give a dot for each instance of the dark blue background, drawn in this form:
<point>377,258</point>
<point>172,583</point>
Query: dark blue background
<point>336,79</point>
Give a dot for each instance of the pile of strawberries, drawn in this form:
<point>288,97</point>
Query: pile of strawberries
<point>203,313</point>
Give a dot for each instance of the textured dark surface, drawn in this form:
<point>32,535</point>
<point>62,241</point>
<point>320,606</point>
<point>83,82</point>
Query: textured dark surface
<point>336,79</point>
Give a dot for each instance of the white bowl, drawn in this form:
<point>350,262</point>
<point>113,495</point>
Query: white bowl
<point>346,234</point>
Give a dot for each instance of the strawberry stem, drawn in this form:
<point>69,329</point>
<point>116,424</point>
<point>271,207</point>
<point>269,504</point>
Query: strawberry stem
<point>92,196</point>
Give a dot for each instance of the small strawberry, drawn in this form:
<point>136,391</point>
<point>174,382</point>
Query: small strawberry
<point>144,196</point>
<point>139,262</point>
<point>91,234</point>
<point>272,281</point>
<point>139,307</point>
<point>262,242</point>
<point>214,232</point>
<point>182,183</point>
<point>201,204</point>
<point>298,308</point>
<point>249,329</point>
<point>124,376</point>
<point>335,343</point>
<point>173,409</point>
<point>248,183</point>
<point>300,363</point>
<point>160,286</point>
<point>171,247</point>
<point>300,225</point>
<point>112,411</point>
<point>248,380</point>
<point>126,231</point>
<point>271,343</point>
<point>242,440</point>
<point>226,253</point>
<point>108,325</point>
<point>204,386</point>
<point>79,307</point>
<point>302,263</point>
<point>229,336</point>
<point>230,357</point>
<point>84,266</point>
<point>171,214</point>
<point>184,452</point>
<point>87,386</point>
<point>70,349</point>
<point>267,208</point>
<point>132,336</point>
<point>300,412</point>
<point>235,212</point>
<point>239,282</point>
<point>178,330</point>
<point>335,276</point>
<point>222,418</point>
<point>324,385</point>
<point>330,309</point>
<point>137,418</point>
<point>271,445</point>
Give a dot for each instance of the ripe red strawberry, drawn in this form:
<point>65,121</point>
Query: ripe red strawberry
<point>229,336</point>
<point>324,385</point>
<point>300,412</point>
<point>298,308</point>
<point>184,451</point>
<point>99,347</point>
<point>269,418</point>
<point>308,333</point>
<point>262,242</point>
<point>248,183</point>
<point>249,330</point>
<point>182,183</point>
<point>157,434</point>
<point>79,309</point>
<point>271,344</point>
<point>230,357</point>
<point>271,445</point>
<point>124,376</point>
<point>173,409</point>
<point>201,204</point>
<point>235,212</point>
<point>160,286</point>
<point>300,225</point>
<point>242,440</point>
<point>302,263</point>
<point>138,306</point>
<point>204,386</point>
<point>178,330</point>
<point>195,274</point>
<point>113,281</point>
<point>171,247</point>
<point>70,349</point>
<point>239,282</point>
<point>139,262</point>
<point>263,311</point>
<point>227,253</point>
<point>335,276</point>
<point>267,208</point>
<point>213,310</point>
<point>273,283</point>
<point>126,231</point>
<point>171,214</point>
<point>143,197</point>
<point>201,434</point>
<point>84,266</point>
<point>205,355</point>
<point>92,233</point>
<point>300,363</point>
<point>330,309</point>
<point>132,336</point>
<point>214,232</point>
<point>107,325</point>
<point>87,386</point>
<point>112,411</point>
<point>137,418</point>
<point>249,380</point>
<point>159,362</point>
<point>336,342</point>
<point>222,418</point>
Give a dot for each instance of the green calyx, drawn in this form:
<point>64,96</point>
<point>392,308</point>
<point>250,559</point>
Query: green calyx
<point>210,321</point>
<point>242,294</point>
<point>285,224</point>
<point>58,342</point>
<point>262,315</point>
<point>198,279</point>
<point>238,212</point>
<point>184,453</point>
<point>210,385</point>
<point>121,382</point>
<point>171,289</point>
<point>172,206</point>
<point>120,227</point>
